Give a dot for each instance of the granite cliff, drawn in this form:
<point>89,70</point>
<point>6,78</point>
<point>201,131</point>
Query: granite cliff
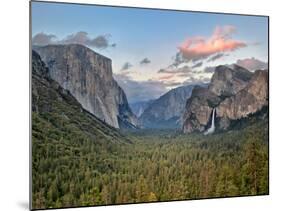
<point>233,92</point>
<point>87,75</point>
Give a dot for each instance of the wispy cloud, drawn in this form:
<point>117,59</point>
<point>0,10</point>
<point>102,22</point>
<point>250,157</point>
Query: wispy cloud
<point>81,37</point>
<point>145,61</point>
<point>216,57</point>
<point>194,80</point>
<point>43,39</point>
<point>165,77</point>
<point>126,66</point>
<point>198,48</point>
<point>178,59</point>
<point>199,64</point>
<point>173,77</point>
<point>180,72</point>
<point>140,90</point>
<point>184,69</point>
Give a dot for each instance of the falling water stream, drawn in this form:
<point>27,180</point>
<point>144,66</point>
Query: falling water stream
<point>212,128</point>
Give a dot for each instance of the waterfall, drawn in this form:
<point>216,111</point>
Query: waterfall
<point>212,128</point>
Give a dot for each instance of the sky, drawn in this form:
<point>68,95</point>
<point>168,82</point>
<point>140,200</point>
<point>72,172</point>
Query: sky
<point>153,51</point>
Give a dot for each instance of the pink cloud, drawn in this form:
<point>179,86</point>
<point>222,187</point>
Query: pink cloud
<point>196,48</point>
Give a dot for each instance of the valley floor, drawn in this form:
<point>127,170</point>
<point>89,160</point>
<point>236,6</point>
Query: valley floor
<point>152,166</point>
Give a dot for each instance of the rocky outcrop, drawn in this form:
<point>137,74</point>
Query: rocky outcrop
<point>247,101</point>
<point>228,80</point>
<point>88,77</point>
<point>233,91</point>
<point>165,112</point>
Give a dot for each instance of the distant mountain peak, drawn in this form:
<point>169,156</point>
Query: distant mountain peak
<point>165,112</point>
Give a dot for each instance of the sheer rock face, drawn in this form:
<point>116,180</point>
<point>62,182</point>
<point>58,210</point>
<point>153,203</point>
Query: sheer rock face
<point>88,77</point>
<point>166,111</point>
<point>235,93</point>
